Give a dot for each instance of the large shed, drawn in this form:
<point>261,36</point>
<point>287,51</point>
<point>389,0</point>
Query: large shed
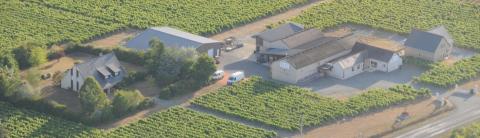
<point>172,37</point>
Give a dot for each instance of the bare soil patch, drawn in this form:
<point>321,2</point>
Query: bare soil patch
<point>114,40</point>
<point>372,124</point>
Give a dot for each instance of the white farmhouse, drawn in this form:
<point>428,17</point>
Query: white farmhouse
<point>106,69</point>
<point>367,55</point>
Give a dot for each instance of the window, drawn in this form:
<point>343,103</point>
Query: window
<point>77,74</point>
<point>71,72</point>
<point>78,86</point>
<point>374,64</point>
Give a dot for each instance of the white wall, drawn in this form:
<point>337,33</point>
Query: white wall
<point>68,77</point>
<point>282,74</point>
<point>394,63</point>
<point>345,73</point>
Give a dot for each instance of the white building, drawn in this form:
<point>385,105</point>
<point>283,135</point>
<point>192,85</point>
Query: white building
<point>106,69</point>
<point>367,57</point>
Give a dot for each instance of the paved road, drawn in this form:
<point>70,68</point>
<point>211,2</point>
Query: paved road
<point>468,110</point>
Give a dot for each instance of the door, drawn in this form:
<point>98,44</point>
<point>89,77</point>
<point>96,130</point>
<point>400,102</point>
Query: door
<point>211,52</point>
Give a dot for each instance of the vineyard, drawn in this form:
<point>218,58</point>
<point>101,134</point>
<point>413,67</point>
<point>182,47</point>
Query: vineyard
<point>445,75</point>
<point>54,21</point>
<point>179,122</point>
<point>26,21</point>
<point>462,20</point>
<point>196,16</point>
<point>175,122</point>
<point>283,106</point>
<point>23,123</point>
<point>471,131</point>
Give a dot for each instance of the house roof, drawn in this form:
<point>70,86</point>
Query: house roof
<point>373,52</point>
<point>382,43</point>
<point>321,52</point>
<point>428,41</point>
<point>170,37</point>
<point>352,59</point>
<point>280,32</point>
<point>100,66</point>
<point>442,31</point>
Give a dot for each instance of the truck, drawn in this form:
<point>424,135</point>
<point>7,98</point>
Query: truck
<point>232,43</point>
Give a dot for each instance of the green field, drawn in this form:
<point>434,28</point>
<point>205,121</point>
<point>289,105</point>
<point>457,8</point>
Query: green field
<point>179,122</point>
<point>175,122</point>
<point>53,21</point>
<point>462,20</point>
<point>23,123</point>
<point>448,75</point>
<point>196,16</point>
<point>283,106</point>
<point>26,21</point>
<point>471,131</point>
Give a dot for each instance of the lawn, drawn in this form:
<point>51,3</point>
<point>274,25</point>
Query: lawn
<point>284,106</point>
<point>400,16</point>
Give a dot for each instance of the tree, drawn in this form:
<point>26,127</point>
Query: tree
<point>30,55</point>
<point>203,69</point>
<point>92,96</point>
<point>126,101</point>
<point>169,64</point>
<point>9,81</point>
<point>8,61</point>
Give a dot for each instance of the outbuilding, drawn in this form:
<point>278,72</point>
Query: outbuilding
<point>433,45</point>
<point>172,37</point>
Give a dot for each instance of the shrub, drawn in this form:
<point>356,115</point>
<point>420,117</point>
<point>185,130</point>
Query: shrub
<point>132,78</point>
<point>126,101</point>
<point>30,55</point>
<point>92,97</point>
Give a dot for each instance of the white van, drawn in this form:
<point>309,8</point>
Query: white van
<point>235,77</point>
<point>218,75</point>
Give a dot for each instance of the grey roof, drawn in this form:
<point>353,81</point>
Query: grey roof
<point>373,52</point>
<point>428,41</point>
<point>280,32</point>
<point>100,65</point>
<point>442,31</point>
<point>303,38</point>
<point>352,59</point>
<point>321,51</point>
<point>169,37</point>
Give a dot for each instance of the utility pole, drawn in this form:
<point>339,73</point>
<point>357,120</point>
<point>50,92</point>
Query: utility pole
<point>301,125</point>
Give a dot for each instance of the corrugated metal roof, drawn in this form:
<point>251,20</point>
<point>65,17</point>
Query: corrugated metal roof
<point>280,32</point>
<point>169,37</point>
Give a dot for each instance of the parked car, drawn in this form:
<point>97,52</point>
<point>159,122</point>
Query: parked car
<point>235,77</point>
<point>232,43</point>
<point>218,75</point>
